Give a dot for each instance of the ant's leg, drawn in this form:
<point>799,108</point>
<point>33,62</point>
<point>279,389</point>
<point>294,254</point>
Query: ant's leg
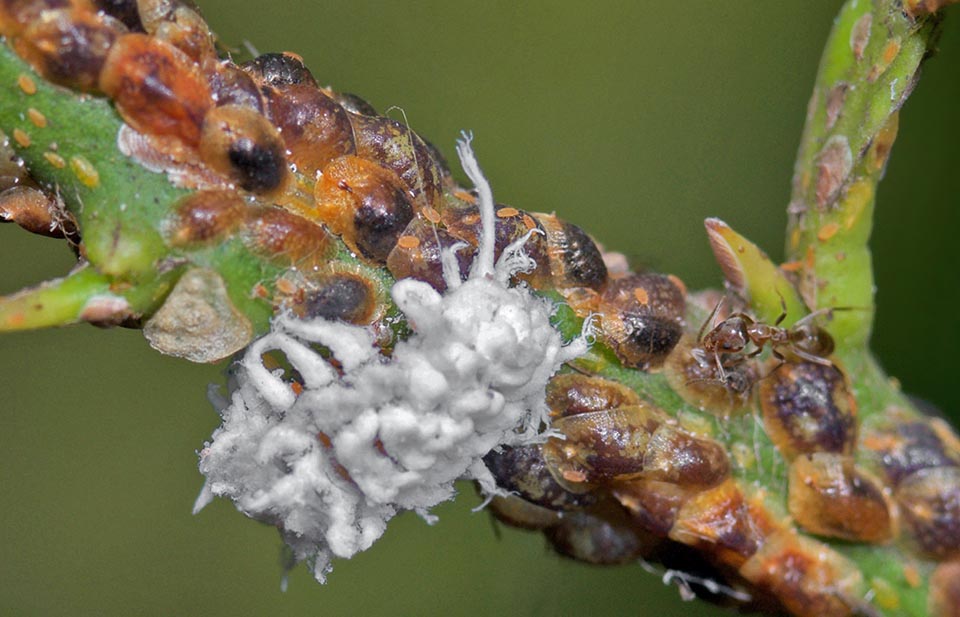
<point>809,357</point>
<point>710,319</point>
<point>783,310</point>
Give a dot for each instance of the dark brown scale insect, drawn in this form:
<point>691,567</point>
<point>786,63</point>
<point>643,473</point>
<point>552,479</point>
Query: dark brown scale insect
<point>232,86</point>
<point>156,88</point>
<point>517,512</point>
<point>606,536</point>
<point>278,70</point>
<point>929,502</point>
<point>417,253</point>
<point>352,103</point>
<point>511,225</point>
<point>574,393</point>
<point>365,204</point>
<point>575,260</point>
<point>704,386</point>
<point>315,128</point>
<point>807,577</point>
<point>945,590</point>
<point>242,145</point>
<point>829,496</point>
<point>723,520</point>
<point>907,446</point>
<point>642,318</point>
<point>206,216</point>
<point>673,455</point>
<point>342,292</point>
<point>126,11</point>
<point>807,407</point>
<point>523,471</point>
<point>70,46</point>
<point>397,147</point>
<point>38,212</point>
<point>601,446</point>
<point>652,503</point>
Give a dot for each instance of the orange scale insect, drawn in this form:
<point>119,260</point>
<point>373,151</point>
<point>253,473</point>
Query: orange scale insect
<point>206,216</point>
<point>807,577</point>
<point>703,385</point>
<point>829,496</point>
<point>365,204</point>
<point>288,238</point>
<point>602,446</point>
<point>183,28</point>
<point>69,46</point>
<point>722,520</point>
<point>156,88</point>
<point>17,15</point>
<point>230,85</point>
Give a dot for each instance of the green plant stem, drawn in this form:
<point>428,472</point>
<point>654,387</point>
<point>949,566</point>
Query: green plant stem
<point>869,68</point>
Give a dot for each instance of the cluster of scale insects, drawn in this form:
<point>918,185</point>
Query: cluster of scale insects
<point>291,167</point>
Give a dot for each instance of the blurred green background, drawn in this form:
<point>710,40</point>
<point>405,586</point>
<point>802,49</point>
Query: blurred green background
<point>634,120</point>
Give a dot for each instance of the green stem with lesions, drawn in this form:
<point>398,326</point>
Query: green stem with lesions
<point>869,67</point>
<point>867,71</point>
<point>121,209</point>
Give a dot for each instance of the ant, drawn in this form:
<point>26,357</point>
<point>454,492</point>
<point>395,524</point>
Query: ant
<point>729,339</point>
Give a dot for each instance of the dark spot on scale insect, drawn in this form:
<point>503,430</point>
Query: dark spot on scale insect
<point>342,297</point>
<point>280,70</point>
<point>380,220</point>
<point>261,168</point>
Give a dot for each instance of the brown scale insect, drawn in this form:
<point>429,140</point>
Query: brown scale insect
<point>342,292</point>
<point>157,88</point>
<point>315,128</point>
<point>602,536</point>
<point>242,145</point>
<point>420,256</point>
<point>703,385</point>
<point>623,441</point>
<point>929,501</point>
<point>830,496</point>
<point>807,577</point>
<point>909,445</point>
<point>807,407</point>
<point>944,598</point>
<point>365,204</point>
<point>70,46</point>
<point>642,318</point>
<point>723,520</point>
<point>524,472</point>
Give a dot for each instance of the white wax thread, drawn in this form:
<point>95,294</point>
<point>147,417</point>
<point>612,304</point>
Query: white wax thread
<point>330,466</point>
